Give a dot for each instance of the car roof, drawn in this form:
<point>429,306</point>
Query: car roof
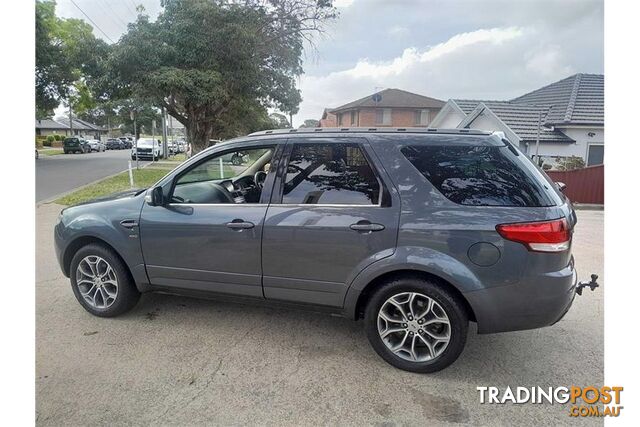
<point>370,130</point>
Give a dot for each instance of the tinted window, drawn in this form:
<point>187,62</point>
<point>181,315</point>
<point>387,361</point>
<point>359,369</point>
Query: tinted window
<point>480,176</point>
<point>330,174</point>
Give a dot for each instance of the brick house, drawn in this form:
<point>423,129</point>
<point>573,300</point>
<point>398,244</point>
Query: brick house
<point>328,119</point>
<point>390,107</point>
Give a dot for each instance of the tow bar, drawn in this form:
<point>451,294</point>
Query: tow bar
<point>593,284</point>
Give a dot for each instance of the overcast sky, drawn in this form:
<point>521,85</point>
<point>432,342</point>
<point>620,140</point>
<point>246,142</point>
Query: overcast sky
<point>489,49</point>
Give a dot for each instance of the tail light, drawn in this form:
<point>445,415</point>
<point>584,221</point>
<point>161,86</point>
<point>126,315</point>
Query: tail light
<point>542,236</point>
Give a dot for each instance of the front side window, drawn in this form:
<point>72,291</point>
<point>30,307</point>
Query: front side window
<point>229,177</point>
<point>478,175</point>
<point>330,174</point>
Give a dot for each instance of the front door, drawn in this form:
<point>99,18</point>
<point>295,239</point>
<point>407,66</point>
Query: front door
<point>331,215</point>
<point>207,236</point>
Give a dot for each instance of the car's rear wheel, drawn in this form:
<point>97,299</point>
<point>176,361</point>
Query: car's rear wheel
<point>416,325</point>
<point>101,282</point>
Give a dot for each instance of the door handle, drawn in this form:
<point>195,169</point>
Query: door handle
<point>238,224</point>
<point>366,226</point>
<point>129,223</point>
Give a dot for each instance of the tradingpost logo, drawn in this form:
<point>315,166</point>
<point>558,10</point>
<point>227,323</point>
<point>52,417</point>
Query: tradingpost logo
<point>582,401</point>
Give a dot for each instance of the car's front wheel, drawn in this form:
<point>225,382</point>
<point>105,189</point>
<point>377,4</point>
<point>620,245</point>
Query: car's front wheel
<point>416,324</point>
<point>101,282</point>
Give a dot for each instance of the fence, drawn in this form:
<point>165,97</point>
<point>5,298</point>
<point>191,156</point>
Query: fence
<point>583,185</point>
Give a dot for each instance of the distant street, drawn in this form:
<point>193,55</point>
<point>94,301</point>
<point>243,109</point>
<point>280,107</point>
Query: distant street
<point>61,173</point>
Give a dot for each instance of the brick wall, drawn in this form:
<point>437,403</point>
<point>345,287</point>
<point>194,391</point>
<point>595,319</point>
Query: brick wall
<point>366,117</point>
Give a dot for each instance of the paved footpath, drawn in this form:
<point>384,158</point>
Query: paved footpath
<point>182,361</point>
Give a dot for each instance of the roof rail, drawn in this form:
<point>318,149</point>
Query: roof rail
<point>370,130</point>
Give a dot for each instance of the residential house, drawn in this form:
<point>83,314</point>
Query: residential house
<point>83,128</point>
<point>62,127</point>
<point>46,127</point>
<point>328,120</point>
<point>566,117</point>
<point>390,107</point>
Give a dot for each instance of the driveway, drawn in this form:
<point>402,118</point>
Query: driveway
<point>181,361</point>
<point>61,173</point>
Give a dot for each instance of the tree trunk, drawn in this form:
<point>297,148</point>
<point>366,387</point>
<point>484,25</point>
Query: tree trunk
<point>198,135</point>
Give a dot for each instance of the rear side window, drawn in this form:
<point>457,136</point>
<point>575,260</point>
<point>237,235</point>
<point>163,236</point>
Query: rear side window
<point>330,174</point>
<point>478,176</point>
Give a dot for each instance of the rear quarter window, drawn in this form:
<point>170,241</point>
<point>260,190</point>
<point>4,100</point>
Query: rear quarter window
<point>478,175</point>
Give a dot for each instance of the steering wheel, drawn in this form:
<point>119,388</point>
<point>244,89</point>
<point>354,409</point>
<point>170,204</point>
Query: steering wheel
<point>259,178</point>
<point>223,193</point>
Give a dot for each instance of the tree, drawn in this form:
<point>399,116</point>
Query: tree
<point>217,65</point>
<point>279,121</point>
<point>570,163</point>
<point>53,72</point>
<point>310,123</point>
<point>70,61</point>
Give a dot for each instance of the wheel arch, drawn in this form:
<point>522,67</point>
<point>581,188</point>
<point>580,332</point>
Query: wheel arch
<point>81,242</point>
<point>366,293</point>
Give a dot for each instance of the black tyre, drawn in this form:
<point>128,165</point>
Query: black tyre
<point>236,160</point>
<point>101,282</point>
<point>416,325</point>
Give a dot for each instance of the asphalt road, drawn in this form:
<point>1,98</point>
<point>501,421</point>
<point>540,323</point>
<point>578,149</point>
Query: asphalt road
<point>181,361</point>
<point>59,174</point>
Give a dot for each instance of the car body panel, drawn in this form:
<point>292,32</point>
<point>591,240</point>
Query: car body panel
<point>308,253</point>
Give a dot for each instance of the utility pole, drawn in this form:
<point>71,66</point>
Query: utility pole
<point>165,146</point>
<point>153,140</point>
<point>135,137</point>
<point>70,118</point>
<point>538,139</point>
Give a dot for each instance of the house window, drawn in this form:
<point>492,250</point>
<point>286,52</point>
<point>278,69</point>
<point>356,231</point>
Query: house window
<point>595,156</point>
<point>340,119</point>
<point>353,118</point>
<point>422,117</point>
<point>383,116</point>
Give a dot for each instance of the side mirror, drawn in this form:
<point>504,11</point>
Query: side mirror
<point>154,197</point>
<point>561,186</point>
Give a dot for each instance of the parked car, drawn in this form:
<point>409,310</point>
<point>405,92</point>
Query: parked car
<point>96,145</point>
<point>114,144</point>
<point>75,144</point>
<point>126,142</point>
<point>147,148</point>
<point>417,232</point>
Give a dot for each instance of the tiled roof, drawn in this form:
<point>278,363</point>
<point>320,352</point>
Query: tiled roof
<point>80,124</point>
<point>523,120</point>
<point>578,99</point>
<point>468,105</point>
<point>390,98</point>
<point>50,124</point>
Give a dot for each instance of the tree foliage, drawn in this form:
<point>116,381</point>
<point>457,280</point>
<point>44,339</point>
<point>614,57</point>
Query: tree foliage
<point>70,60</point>
<point>217,65</point>
<point>310,123</point>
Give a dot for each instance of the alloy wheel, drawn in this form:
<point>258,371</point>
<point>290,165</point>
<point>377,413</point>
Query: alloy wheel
<point>97,282</point>
<point>414,326</point>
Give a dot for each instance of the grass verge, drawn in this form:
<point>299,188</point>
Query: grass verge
<point>50,152</point>
<point>142,178</point>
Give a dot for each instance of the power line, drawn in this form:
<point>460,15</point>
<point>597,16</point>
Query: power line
<point>113,11</point>
<point>107,14</point>
<point>91,20</point>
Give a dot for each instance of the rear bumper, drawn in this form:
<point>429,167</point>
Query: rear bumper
<point>532,303</point>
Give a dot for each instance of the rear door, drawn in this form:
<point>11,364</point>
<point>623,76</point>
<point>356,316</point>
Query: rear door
<point>333,212</point>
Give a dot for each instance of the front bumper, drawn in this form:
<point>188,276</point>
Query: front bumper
<point>532,303</point>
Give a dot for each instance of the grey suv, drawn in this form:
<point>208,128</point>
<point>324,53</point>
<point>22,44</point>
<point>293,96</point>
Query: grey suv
<point>416,231</point>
